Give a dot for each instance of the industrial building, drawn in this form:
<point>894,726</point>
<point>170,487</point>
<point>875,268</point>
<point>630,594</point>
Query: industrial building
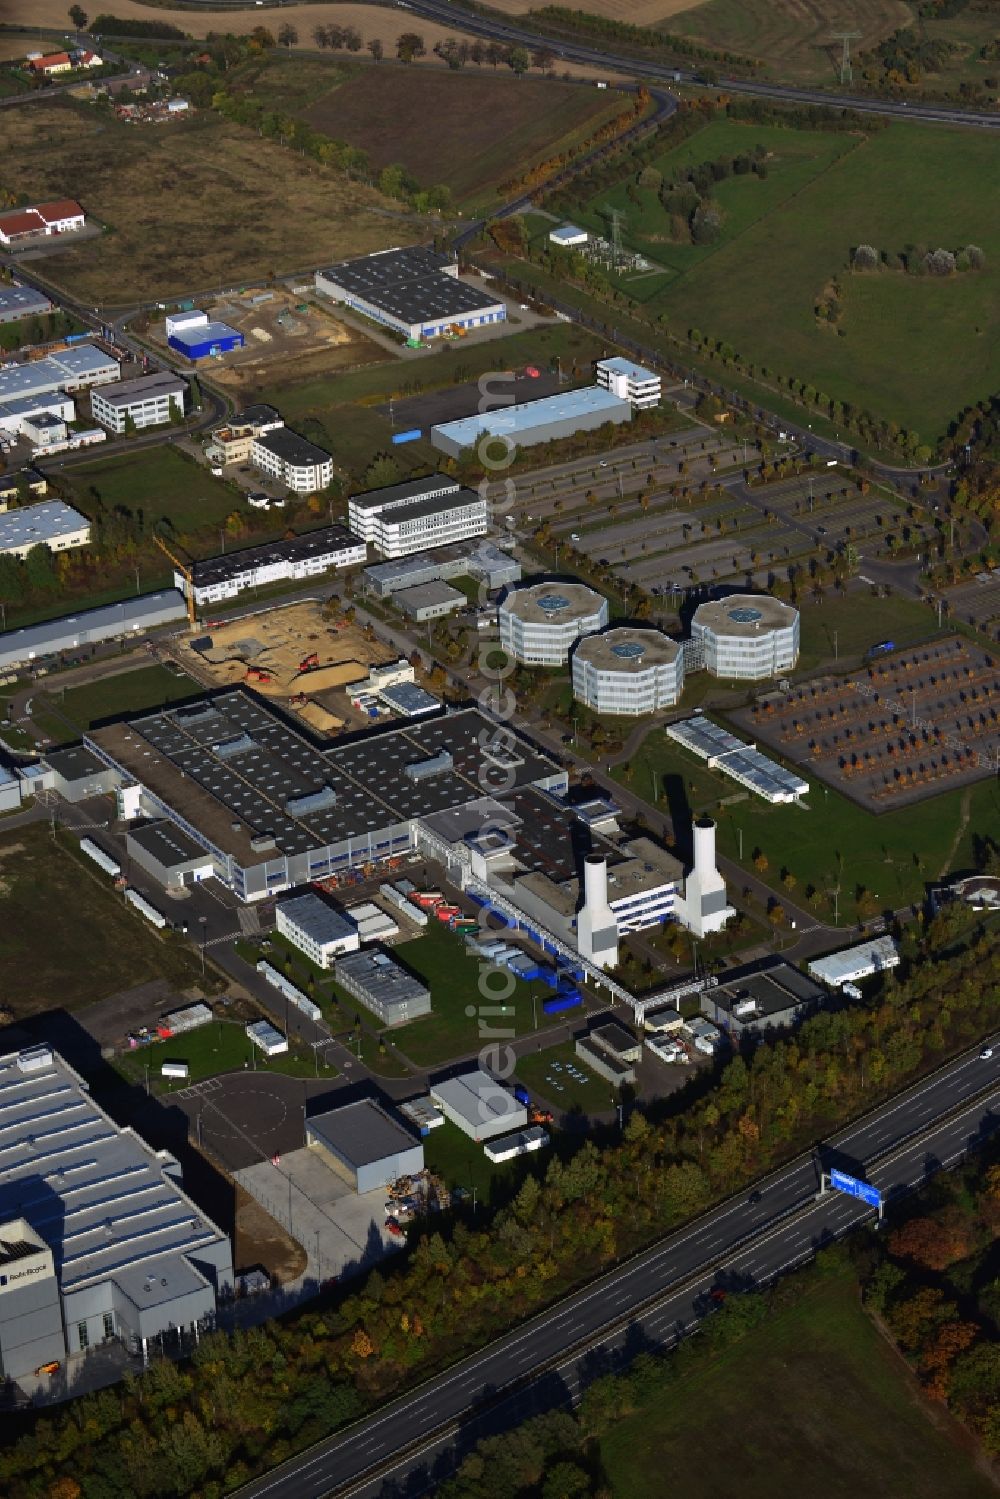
<point>520,1142</point>
<point>110,622</point>
<point>216,579</point>
<point>481,560</point>
<point>17,302</point>
<point>532,422</point>
<point>480,1106</point>
<point>415,291</point>
<point>170,855</point>
<point>746,636</point>
<point>630,382</point>
<point>316,928</point>
<point>744,763</point>
<point>274,811</point>
<point>41,221</point>
<point>232,443</point>
<point>19,414</point>
<point>99,1221</point>
<point>51,523</point>
<point>293,460</point>
<point>364,1146</point>
<point>383,986</point>
<point>409,700</point>
<point>15,486</point>
<point>838,969</point>
<point>628,671</point>
<point>418,515</point>
<point>425,601</point>
<point>749,1002</point>
<point>148,401</point>
<point>199,337</point>
<point>69,370</point>
<point>540,624</point>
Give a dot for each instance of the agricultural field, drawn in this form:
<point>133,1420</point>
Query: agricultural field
<point>793,38</point>
<point>815,1368</point>
<point>785,238</point>
<point>96,947</point>
<point>175,206</point>
<point>468,131</point>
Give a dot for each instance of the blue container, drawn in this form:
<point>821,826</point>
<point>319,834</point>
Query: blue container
<point>561,1002</point>
<point>412,436</point>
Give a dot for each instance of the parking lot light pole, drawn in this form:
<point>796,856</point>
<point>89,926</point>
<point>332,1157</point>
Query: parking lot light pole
<point>204,922</point>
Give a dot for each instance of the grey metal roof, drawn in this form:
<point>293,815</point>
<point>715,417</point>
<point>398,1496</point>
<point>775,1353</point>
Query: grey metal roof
<point>106,623</point>
<point>94,1192</point>
<point>479,1098</point>
<point>314,916</point>
<point>361,1133</point>
<point>167,843</point>
<point>143,388</point>
<point>291,448</point>
<point>75,763</point>
<point>383,980</point>
<point>409,699</point>
<point>397,494</point>
<point>23,300</point>
<point>37,525</point>
<point>68,367</point>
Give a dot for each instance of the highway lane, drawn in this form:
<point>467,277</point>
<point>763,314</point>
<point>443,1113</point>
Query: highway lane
<point>742,1242</point>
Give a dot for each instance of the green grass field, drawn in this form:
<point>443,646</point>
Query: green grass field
<point>831,841</point>
<point>64,715</point>
<point>785,238</point>
<point>452,975</point>
<point>66,938</point>
<point>553,1082</point>
<point>462,1162</point>
<point>842,628</point>
<point>222,1046</point>
<point>812,1395</point>
<point>162,483</point>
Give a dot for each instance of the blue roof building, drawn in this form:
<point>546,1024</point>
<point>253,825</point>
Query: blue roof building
<point>532,422</point>
<point>204,339</point>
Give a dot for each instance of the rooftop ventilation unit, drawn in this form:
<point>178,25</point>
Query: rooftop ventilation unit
<point>422,770</point>
<point>262,843</point>
<point>227,748</point>
<point>313,801</point>
<point>34,1059</point>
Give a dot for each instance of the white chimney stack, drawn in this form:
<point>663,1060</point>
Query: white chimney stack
<point>703,907</point>
<point>596,924</point>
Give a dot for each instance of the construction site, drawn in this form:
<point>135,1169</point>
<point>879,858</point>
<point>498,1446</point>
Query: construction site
<point>287,332</point>
<point>296,654</point>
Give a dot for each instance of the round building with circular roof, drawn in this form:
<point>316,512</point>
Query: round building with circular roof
<point>540,623</point>
<point>628,671</point>
<point>746,636</point>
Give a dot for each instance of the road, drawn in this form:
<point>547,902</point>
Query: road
<point>502,30</point>
<point>652,1299</point>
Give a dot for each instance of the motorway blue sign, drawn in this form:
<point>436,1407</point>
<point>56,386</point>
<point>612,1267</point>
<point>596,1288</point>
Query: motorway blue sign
<point>411,436</point>
<point>841,1182</point>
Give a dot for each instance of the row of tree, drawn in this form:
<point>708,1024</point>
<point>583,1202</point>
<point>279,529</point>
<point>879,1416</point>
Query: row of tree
<point>919,260</point>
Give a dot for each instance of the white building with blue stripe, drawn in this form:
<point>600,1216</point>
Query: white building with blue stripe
<point>414,290</point>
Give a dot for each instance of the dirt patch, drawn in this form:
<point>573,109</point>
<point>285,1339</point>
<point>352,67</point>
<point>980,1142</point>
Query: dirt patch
<point>259,1240</point>
<point>176,205</point>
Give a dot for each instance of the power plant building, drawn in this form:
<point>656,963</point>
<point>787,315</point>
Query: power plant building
<point>703,906</point>
<point>97,1238</point>
<point>746,637</point>
<point>628,672</point>
<point>540,623</point>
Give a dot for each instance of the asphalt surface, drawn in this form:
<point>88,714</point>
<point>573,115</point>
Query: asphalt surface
<point>653,1299</point>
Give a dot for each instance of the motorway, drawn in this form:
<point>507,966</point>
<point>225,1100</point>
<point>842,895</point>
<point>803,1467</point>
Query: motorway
<point>652,1299</point>
<point>500,29</point>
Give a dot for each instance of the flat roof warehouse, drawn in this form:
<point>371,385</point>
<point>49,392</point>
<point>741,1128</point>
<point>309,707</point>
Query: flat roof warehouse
<point>412,284</point>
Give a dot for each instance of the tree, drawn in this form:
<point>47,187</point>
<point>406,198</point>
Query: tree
<point>78,16</point>
<point>865,258</point>
<point>39,570</point>
<point>409,46</point>
<point>376,49</point>
<point>287,34</point>
<point>518,61</point>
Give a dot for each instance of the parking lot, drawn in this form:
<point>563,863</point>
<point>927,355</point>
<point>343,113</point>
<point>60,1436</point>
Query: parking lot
<point>909,724</point>
<point>978,603</point>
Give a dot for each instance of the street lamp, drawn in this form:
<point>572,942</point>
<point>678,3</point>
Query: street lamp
<point>204,922</point>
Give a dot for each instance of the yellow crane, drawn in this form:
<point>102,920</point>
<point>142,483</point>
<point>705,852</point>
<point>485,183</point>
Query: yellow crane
<point>186,574</point>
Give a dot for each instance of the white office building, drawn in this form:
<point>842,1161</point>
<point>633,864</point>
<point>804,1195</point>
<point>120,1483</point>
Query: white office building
<point>216,579</point>
<point>293,460</point>
<point>746,636</point>
<point>148,401</point>
<point>52,524</point>
<point>630,382</point>
<point>540,623</point>
<point>628,672</point>
<point>316,928</point>
<point>418,515</point>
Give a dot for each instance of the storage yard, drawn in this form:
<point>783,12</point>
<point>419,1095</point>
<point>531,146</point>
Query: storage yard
<point>292,655</point>
<point>904,727</point>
